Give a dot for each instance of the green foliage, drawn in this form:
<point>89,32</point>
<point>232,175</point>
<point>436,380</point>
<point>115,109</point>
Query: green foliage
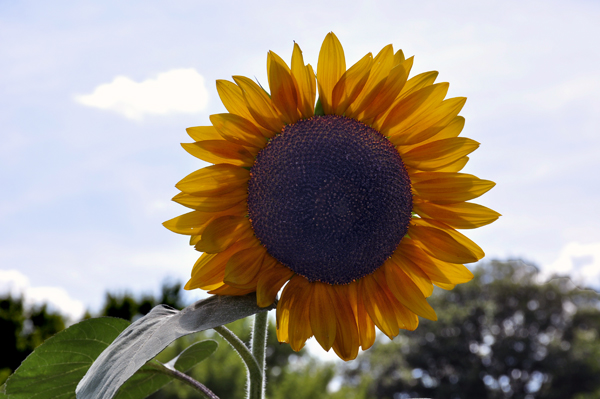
<point>22,330</point>
<point>56,366</point>
<point>502,335</point>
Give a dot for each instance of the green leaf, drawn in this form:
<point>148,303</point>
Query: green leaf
<point>2,394</point>
<point>193,355</point>
<point>56,366</point>
<point>149,335</point>
<point>319,108</point>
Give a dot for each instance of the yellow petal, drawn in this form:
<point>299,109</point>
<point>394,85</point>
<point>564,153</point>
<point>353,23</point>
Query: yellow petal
<point>223,232</point>
<point>346,338</point>
<point>238,130</point>
<point>299,328</point>
<point>233,99</point>
<point>243,267</point>
<point>444,243</point>
<point>220,151</point>
<point>199,133</point>
<point>439,272</point>
<point>429,123</point>
<point>284,91</point>
<point>454,167</point>
<point>399,58</point>
<point>239,208</point>
<point>389,91</point>
<point>214,180</point>
<point>462,215</point>
<point>330,68</point>
<point>306,81</point>
<point>229,290</point>
<point>380,69</point>
<point>412,108</point>
<point>406,291</point>
<point>366,328</point>
<point>259,104</point>
<point>420,278</point>
<point>322,315</point>
<point>214,203</point>
<point>378,305</point>
<point>418,82</point>
<point>405,318</point>
<point>437,154</point>
<point>209,271</point>
<point>350,84</point>
<point>191,223</point>
<point>270,282</point>
<point>448,188</point>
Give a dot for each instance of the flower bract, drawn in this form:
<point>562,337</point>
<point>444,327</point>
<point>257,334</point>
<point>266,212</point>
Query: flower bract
<point>351,206</point>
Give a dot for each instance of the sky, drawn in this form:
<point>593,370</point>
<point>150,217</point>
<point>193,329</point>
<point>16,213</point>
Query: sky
<point>96,97</point>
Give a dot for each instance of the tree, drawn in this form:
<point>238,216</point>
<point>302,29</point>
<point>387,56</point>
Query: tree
<point>22,329</point>
<point>502,335</point>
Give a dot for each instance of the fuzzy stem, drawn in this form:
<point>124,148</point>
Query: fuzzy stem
<point>258,347</point>
<point>255,371</point>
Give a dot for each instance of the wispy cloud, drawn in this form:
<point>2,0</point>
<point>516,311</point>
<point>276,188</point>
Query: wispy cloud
<point>17,284</point>
<point>171,92</point>
<point>580,261</point>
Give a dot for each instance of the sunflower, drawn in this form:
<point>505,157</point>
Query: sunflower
<point>352,204</point>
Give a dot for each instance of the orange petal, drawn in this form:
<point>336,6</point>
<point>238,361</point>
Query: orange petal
<point>210,268</point>
<point>366,328</point>
<point>270,282</point>
<point>350,84</point>
<point>380,69</point>
<point>199,133</point>
<point>299,326</point>
<point>305,79</point>
<point>214,180</point>
<point>448,188</point>
<point>404,317</point>
<point>233,99</point>
<point>442,243</point>
<point>243,267</point>
<point>407,292</point>
<point>420,278</point>
<point>259,104</point>
<point>429,124</point>
<point>412,108</point>
<point>439,272</point>
<point>191,223</point>
<point>389,91</point>
<point>322,315</point>
<point>223,232</point>
<point>346,338</point>
<point>228,290</point>
<point>440,153</point>
<point>455,166</point>
<point>378,305</point>
<point>330,68</point>
<point>238,130</point>
<point>215,203</point>
<point>284,91</point>
<point>462,215</point>
<point>220,151</point>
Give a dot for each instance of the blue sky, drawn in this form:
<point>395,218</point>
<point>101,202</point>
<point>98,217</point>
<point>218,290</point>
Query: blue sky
<point>96,98</point>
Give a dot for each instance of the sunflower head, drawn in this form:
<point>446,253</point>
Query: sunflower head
<point>352,206</point>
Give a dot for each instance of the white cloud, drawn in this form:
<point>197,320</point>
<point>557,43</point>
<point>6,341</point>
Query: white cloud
<point>16,284</point>
<point>580,261</point>
<point>175,91</point>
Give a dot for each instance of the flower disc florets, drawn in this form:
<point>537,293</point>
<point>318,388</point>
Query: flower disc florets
<point>330,198</point>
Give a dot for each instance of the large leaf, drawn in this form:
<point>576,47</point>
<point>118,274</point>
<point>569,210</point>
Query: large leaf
<point>56,366</point>
<point>151,377</point>
<point>149,335</point>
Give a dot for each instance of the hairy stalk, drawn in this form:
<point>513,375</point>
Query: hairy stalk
<point>255,371</point>
<point>258,347</point>
<point>186,379</point>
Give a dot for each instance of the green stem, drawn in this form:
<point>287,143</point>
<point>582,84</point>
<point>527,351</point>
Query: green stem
<point>255,372</point>
<point>186,379</point>
<point>258,347</point>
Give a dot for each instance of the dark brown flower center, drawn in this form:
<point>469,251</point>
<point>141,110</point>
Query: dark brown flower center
<point>330,199</point>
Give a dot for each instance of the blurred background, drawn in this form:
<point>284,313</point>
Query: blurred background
<point>95,101</point>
